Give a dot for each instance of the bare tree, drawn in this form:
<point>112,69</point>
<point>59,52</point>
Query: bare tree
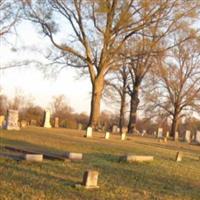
<point>99,29</point>
<point>10,12</point>
<point>116,89</point>
<point>177,86</point>
<point>60,108</point>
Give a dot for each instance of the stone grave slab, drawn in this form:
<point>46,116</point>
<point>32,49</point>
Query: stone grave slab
<point>12,120</point>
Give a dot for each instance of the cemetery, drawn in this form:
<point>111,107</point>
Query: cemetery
<point>99,100</point>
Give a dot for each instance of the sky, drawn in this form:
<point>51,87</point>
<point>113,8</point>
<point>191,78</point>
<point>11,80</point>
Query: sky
<point>31,81</point>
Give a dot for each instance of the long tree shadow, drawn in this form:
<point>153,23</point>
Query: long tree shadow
<point>27,145</point>
<point>168,147</point>
<point>146,176</point>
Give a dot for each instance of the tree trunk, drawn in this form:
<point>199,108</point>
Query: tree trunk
<point>174,126</point>
<point>122,110</point>
<point>97,89</point>
<point>133,111</point>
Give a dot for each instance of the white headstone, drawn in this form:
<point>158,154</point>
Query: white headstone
<point>89,132</point>
<point>80,126</point>
<point>144,132</point>
<point>90,179</point>
<point>114,129</point>
<point>188,136</point>
<point>74,156</point>
<point>47,119</point>
<point>2,118</point>
<point>179,156</point>
<point>12,120</point>
<point>176,135</point>
<point>154,133</point>
<point>167,134</point>
<point>107,136</point>
<point>56,123</point>
<point>197,138</point>
<point>123,136</point>
<point>160,133</point>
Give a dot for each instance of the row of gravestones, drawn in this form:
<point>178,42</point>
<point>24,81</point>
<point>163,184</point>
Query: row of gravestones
<point>107,134</point>
<point>188,137</point>
<point>11,122</point>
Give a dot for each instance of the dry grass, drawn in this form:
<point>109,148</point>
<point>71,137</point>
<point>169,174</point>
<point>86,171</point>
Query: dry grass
<point>161,179</point>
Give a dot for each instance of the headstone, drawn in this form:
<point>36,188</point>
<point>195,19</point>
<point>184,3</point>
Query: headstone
<point>179,156</point>
<point>23,123</point>
<point>123,136</point>
<point>74,156</point>
<point>33,122</point>
<point>12,120</point>
<point>114,129</point>
<point>2,118</point>
<point>197,137</point>
<point>107,136</point>
<point>165,139</point>
<point>47,120</point>
<point>90,179</point>
<point>154,133</point>
<point>56,125</point>
<point>124,130</point>
<point>104,128</point>
<point>188,136</point>
<point>135,158</point>
<point>80,126</point>
<point>167,134</point>
<point>176,136</point>
<point>34,157</point>
<point>144,132</point>
<point>160,133</point>
<point>89,132</point>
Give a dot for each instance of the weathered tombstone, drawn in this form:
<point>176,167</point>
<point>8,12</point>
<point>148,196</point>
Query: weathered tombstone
<point>167,134</point>
<point>80,126</point>
<point>74,156</point>
<point>34,157</point>
<point>160,133</point>
<point>179,156</point>
<point>165,139</point>
<point>107,136</point>
<point>12,120</point>
<point>2,118</point>
<point>89,132</point>
<point>23,123</point>
<point>56,124</point>
<point>188,136</point>
<point>135,158</point>
<point>33,122</point>
<point>197,137</point>
<point>124,130</point>
<point>104,128</point>
<point>114,129</point>
<point>47,120</point>
<point>144,132</point>
<point>154,133</point>
<point>123,136</point>
<point>176,136</point>
<point>90,179</point>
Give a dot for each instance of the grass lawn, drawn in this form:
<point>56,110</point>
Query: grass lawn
<point>161,179</point>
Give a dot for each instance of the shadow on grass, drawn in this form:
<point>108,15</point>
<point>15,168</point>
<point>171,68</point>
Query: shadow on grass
<point>27,145</point>
<point>168,147</point>
<point>151,177</point>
